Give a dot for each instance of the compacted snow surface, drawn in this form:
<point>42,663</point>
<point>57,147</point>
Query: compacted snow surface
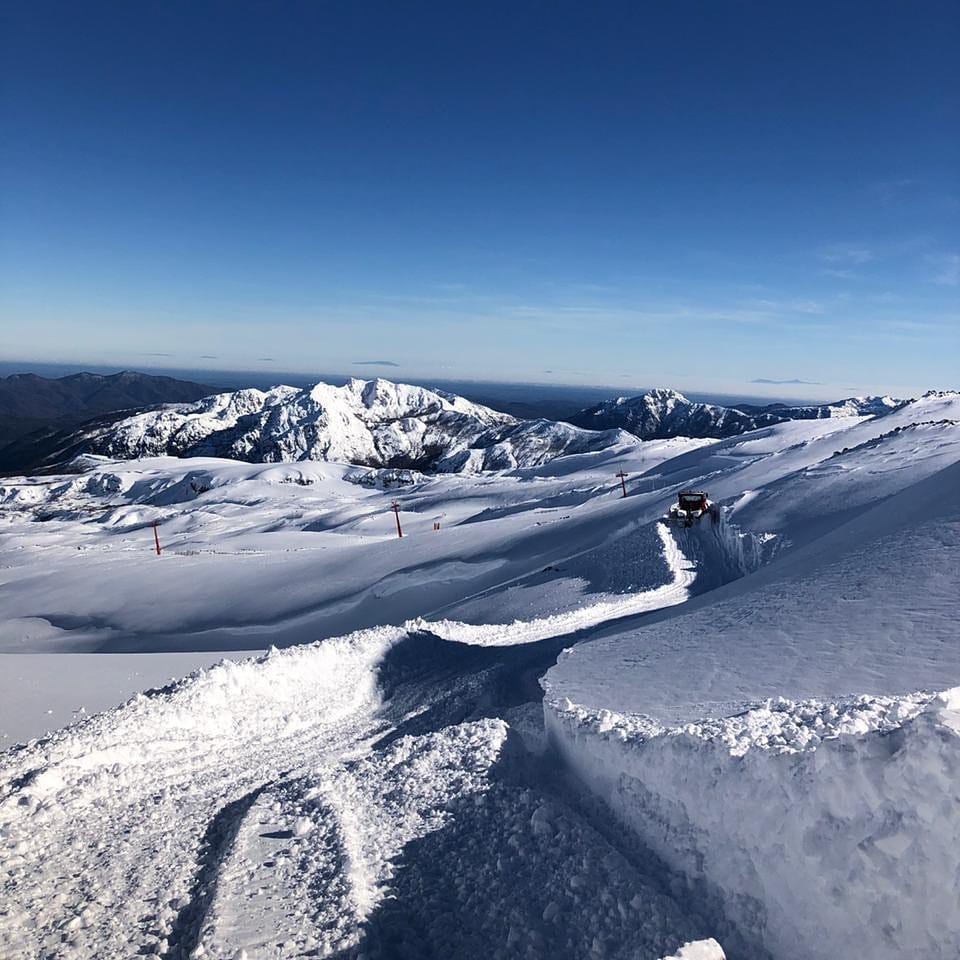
<point>553,727</point>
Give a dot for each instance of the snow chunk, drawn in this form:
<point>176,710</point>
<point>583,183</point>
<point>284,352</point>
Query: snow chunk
<point>699,950</point>
<point>302,826</point>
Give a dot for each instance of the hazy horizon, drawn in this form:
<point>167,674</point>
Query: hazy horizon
<point>233,378</point>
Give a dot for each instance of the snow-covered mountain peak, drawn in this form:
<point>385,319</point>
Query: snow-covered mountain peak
<point>665,395</point>
<point>375,423</point>
<point>379,400</point>
<point>662,413</point>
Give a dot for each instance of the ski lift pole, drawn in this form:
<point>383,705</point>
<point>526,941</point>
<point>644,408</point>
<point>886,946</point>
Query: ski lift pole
<point>156,536</point>
<point>623,482</point>
<point>395,507</point>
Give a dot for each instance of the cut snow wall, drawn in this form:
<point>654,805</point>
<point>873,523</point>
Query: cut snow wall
<point>720,551</point>
<point>848,849</point>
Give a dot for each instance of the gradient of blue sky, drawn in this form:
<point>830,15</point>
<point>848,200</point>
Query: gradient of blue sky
<point>687,194</point>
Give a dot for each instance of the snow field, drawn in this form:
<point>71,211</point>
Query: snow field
<point>768,762</point>
<point>39,696</point>
<point>259,554</point>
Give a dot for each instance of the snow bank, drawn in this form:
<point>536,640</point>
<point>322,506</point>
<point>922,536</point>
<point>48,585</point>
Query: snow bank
<point>113,831</point>
<point>268,699</point>
<point>849,849</point>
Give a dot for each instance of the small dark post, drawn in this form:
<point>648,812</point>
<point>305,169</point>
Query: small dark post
<point>395,507</point>
<point>623,482</point>
<point>156,536</point>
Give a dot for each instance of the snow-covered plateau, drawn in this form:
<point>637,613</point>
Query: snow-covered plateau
<point>544,722</point>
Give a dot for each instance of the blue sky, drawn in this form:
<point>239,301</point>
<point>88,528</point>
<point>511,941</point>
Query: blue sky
<point>697,195</point>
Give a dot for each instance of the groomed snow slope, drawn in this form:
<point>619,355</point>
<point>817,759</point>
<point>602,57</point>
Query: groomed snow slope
<point>261,554</point>
<point>782,745</point>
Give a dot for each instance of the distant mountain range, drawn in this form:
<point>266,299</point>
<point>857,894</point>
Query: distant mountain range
<point>33,407</point>
<point>374,423</point>
<point>87,394</point>
<point>659,414</point>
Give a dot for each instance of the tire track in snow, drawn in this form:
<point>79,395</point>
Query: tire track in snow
<point>106,844</point>
<point>287,888</point>
<point>215,847</point>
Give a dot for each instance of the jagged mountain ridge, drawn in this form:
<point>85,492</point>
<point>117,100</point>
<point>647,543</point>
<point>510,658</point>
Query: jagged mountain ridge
<point>662,413</point>
<point>374,423</point>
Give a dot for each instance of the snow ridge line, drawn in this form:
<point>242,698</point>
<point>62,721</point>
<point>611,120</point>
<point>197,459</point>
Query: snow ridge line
<point>880,438</point>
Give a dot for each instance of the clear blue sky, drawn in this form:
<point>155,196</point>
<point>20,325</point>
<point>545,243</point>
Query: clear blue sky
<point>696,195</point>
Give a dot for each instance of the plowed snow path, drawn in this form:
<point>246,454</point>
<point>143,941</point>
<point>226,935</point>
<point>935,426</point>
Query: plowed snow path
<point>362,796</point>
<point>590,615</point>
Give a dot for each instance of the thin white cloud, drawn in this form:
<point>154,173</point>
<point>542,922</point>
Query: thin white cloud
<point>911,326</point>
<point>806,306</point>
<point>847,253</point>
<point>839,273</point>
<point>947,269</point>
<point>788,306</point>
<point>889,191</point>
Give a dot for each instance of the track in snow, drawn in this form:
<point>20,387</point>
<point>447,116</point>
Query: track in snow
<point>385,794</point>
<point>368,800</point>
